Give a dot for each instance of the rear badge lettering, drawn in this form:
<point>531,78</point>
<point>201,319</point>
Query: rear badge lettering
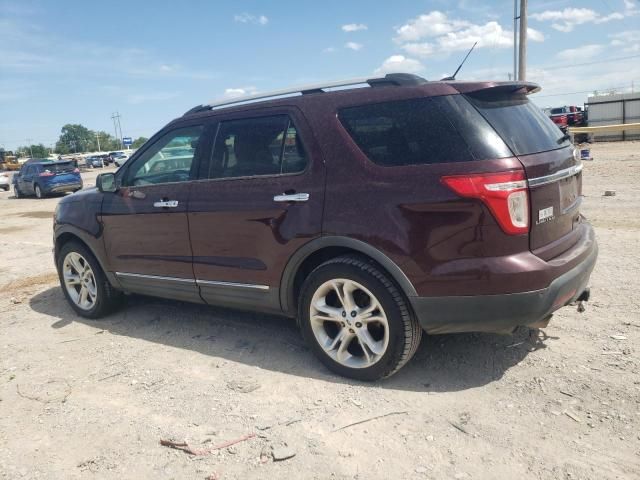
<point>545,215</point>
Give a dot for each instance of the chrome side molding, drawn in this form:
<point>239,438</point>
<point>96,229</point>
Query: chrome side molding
<point>155,277</point>
<point>196,282</point>
<point>232,284</point>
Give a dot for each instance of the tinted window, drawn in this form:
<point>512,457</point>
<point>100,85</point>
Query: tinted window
<point>405,133</point>
<point>257,146</point>
<point>520,123</point>
<point>169,159</point>
<point>59,167</point>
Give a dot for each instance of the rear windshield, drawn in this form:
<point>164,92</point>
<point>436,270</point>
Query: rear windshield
<point>521,124</point>
<point>422,131</point>
<point>59,167</point>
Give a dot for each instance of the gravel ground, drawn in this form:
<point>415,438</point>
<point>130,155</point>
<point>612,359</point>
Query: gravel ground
<point>92,399</point>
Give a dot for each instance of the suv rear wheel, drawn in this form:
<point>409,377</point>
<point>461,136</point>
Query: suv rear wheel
<point>356,320</point>
<point>38,191</point>
<point>83,282</point>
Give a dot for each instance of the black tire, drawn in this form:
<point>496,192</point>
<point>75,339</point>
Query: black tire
<point>107,299</point>
<point>38,191</point>
<point>404,332</point>
<point>16,192</point>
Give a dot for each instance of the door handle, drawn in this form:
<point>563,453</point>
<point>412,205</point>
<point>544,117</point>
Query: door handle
<point>166,204</point>
<point>294,197</point>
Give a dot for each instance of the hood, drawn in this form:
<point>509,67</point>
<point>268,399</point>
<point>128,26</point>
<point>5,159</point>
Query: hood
<point>90,194</point>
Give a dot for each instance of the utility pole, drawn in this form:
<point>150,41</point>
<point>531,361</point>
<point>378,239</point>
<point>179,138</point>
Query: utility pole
<point>98,138</point>
<point>522,66</point>
<point>515,39</point>
<point>117,127</point>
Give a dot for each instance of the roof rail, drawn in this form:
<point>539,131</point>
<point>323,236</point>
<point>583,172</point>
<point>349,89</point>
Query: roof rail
<point>399,79</point>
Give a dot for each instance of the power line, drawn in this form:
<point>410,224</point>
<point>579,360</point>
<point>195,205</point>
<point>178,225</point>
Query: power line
<point>595,62</point>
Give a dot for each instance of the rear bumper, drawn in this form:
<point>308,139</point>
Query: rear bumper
<point>498,313</point>
<point>65,187</point>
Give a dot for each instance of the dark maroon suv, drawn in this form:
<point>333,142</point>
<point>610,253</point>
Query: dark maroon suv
<point>370,210</point>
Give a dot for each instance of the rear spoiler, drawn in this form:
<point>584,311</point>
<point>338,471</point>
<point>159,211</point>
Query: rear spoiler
<point>497,87</point>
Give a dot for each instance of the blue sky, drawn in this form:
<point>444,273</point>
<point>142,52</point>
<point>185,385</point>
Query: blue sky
<point>78,61</point>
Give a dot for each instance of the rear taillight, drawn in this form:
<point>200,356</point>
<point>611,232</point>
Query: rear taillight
<point>47,173</point>
<point>76,170</point>
<point>506,194</point>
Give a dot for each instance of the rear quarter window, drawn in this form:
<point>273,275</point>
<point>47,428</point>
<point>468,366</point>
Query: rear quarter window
<point>407,132</point>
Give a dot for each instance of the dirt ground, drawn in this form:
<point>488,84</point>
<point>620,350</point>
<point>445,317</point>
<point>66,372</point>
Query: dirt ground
<point>84,399</point>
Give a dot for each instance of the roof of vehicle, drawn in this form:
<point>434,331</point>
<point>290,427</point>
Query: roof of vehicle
<point>363,90</point>
<point>43,161</point>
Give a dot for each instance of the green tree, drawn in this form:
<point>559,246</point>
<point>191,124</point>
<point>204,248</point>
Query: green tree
<point>138,142</point>
<point>35,151</point>
<point>75,138</point>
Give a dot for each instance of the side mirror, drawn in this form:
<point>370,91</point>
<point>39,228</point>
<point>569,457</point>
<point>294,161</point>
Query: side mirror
<point>106,182</point>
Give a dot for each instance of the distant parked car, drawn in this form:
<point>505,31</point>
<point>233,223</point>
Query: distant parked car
<point>96,162</point>
<point>44,177</point>
<point>4,181</point>
<point>119,158</point>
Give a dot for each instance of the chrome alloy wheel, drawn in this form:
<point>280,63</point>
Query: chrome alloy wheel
<point>349,323</point>
<point>79,281</point>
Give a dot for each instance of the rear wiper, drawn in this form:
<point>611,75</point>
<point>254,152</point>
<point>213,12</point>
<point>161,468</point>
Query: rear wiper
<point>564,137</point>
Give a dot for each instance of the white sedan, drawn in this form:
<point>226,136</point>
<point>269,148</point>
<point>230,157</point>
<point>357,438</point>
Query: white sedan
<point>120,159</point>
<point>4,181</point>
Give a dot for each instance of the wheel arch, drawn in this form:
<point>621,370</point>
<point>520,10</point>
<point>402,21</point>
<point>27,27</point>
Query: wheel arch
<point>314,253</point>
<point>68,234</point>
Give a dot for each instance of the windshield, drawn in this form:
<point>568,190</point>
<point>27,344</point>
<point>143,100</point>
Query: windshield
<point>521,124</point>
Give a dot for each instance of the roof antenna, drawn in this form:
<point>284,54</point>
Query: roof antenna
<point>453,77</point>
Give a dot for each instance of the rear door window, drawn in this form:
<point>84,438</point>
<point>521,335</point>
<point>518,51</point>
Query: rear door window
<point>522,125</point>
<point>406,132</point>
<point>257,146</point>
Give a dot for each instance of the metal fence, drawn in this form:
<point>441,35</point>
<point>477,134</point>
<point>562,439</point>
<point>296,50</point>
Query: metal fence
<point>613,110</point>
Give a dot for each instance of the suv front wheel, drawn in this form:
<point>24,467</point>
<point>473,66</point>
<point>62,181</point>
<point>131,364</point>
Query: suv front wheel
<point>356,320</point>
<point>84,283</point>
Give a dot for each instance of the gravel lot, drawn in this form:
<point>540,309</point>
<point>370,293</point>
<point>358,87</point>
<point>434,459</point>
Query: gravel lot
<point>92,399</point>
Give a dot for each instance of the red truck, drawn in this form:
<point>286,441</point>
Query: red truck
<point>567,116</point>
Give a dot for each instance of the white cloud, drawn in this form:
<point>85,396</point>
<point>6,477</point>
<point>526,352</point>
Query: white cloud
<point>354,27</point>
<point>328,50</point>
<point>445,35</point>
<point>248,18</point>
<point>429,25</point>
<point>399,63</point>
<point>565,20</point>
<point>240,92</point>
<point>584,52</point>
<point>423,49</point>
<point>628,40</point>
<point>353,46</point>
<point>535,35</point>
